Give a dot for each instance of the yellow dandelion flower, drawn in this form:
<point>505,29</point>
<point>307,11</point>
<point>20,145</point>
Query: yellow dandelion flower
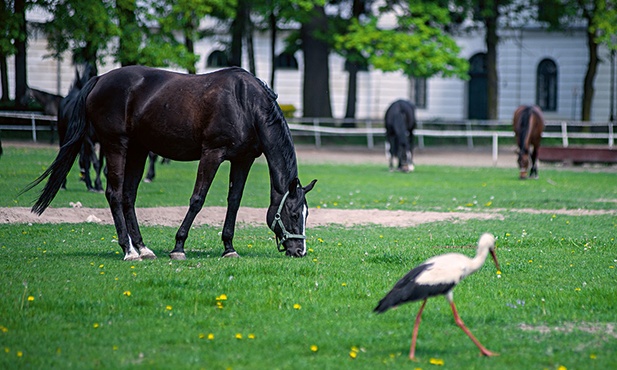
<point>114,348</point>
<point>353,354</point>
<point>320,240</point>
<point>561,367</point>
<point>488,204</point>
<point>30,298</point>
<point>222,297</point>
<point>202,335</point>
<point>577,289</point>
<point>4,329</point>
<point>101,266</point>
<point>96,325</point>
<point>592,356</point>
<point>344,284</point>
<point>20,353</point>
<point>127,293</point>
<point>251,336</point>
<point>314,348</point>
<point>238,336</point>
<point>354,349</point>
<point>436,361</point>
<point>498,272</point>
<point>297,306</point>
<point>210,336</point>
<point>311,250</point>
<point>168,307</point>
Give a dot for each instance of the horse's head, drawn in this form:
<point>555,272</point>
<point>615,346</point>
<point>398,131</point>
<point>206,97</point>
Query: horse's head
<point>523,162</point>
<point>288,219</point>
<point>27,97</point>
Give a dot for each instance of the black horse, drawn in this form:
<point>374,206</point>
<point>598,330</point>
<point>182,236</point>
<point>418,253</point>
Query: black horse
<point>50,103</point>
<point>400,123</point>
<point>528,125</point>
<point>224,115</point>
<point>87,153</point>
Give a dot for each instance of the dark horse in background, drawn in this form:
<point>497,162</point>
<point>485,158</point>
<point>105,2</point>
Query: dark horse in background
<point>225,115</point>
<point>400,122</point>
<point>49,102</point>
<point>528,124</point>
<point>87,154</point>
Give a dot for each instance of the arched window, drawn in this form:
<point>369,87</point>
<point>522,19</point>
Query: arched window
<point>217,59</point>
<point>286,61</point>
<point>546,85</point>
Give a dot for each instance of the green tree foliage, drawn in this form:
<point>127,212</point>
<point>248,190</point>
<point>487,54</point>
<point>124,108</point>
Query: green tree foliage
<point>419,46</point>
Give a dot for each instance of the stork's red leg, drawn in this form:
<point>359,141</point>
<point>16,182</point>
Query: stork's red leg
<point>414,334</point>
<point>460,323</point>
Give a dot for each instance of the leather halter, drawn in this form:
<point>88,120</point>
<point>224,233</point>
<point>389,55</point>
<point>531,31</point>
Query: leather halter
<point>286,234</point>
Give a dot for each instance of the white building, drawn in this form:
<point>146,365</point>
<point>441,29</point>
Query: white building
<point>534,67</point>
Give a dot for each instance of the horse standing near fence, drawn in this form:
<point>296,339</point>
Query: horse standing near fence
<point>528,124</point>
<point>400,122</point>
<point>225,115</point>
<point>87,154</point>
<point>49,102</point>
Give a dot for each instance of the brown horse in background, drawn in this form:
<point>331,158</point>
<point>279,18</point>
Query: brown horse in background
<point>528,124</point>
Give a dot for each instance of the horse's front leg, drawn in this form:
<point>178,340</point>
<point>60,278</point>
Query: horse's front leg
<point>533,173</point>
<point>208,165</point>
<point>238,174</point>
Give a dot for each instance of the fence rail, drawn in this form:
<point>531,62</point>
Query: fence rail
<point>372,128</point>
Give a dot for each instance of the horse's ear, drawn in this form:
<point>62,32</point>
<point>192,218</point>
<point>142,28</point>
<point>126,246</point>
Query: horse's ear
<point>293,186</point>
<point>309,187</point>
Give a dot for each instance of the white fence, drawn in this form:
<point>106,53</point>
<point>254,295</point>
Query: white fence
<point>319,127</point>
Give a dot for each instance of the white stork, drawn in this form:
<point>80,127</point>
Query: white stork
<point>438,276</point>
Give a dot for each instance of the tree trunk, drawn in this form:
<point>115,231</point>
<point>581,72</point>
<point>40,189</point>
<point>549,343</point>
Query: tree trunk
<point>272,48</point>
<point>237,34</point>
<point>4,79</point>
<point>21,75</point>
<point>189,44</point>
<point>249,43</point>
<point>131,35</point>
<point>590,76</point>
<point>491,63</point>
<point>352,90</point>
<point>316,87</point>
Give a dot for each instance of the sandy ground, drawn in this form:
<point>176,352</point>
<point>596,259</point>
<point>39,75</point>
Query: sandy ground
<point>173,216</point>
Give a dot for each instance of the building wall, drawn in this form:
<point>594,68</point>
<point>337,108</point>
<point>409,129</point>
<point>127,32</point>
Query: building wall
<point>519,54</point>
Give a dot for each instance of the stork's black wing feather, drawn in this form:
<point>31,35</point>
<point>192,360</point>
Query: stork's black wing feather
<point>408,290</point>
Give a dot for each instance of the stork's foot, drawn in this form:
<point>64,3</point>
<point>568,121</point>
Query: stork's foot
<point>488,353</point>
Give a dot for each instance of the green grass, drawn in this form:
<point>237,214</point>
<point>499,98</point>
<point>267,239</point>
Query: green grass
<point>65,290</point>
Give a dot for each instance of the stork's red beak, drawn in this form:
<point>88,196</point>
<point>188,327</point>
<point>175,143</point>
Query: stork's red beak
<point>495,259</point>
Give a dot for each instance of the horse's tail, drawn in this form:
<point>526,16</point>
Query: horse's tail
<point>60,167</point>
<point>523,127</point>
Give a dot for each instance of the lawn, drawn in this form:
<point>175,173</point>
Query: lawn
<point>69,301</point>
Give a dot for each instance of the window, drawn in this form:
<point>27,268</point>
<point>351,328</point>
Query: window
<point>418,92</point>
<point>286,61</point>
<point>217,59</point>
<point>546,86</point>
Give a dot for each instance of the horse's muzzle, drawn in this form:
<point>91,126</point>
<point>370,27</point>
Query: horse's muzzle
<point>295,251</point>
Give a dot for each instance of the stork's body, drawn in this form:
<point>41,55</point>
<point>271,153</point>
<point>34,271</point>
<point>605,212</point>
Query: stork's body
<point>438,276</point>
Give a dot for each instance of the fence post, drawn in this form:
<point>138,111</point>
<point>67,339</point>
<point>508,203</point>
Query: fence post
<point>33,127</point>
<point>317,133</point>
<point>420,137</point>
<point>495,148</point>
<point>611,135</point>
<point>469,135</point>
<point>564,134</point>
<point>369,134</point>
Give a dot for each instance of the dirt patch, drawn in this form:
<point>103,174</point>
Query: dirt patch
<point>607,329</point>
<point>173,216</point>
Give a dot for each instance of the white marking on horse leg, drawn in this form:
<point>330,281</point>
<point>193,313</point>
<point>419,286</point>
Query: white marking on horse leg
<point>131,254</point>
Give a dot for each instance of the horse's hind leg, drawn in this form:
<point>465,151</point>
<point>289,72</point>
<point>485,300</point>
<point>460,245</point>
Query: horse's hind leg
<point>208,165</point>
<point>238,174</point>
<point>134,169</point>
<point>116,158</point>
<point>98,185</point>
<point>150,175</point>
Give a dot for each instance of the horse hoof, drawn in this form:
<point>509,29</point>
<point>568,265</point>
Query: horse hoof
<point>233,254</point>
<point>178,256</point>
<point>147,254</point>
<point>132,257</point>
<point>146,180</point>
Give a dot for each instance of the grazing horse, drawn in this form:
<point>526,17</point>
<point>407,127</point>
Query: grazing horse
<point>528,124</point>
<point>224,115</point>
<point>50,103</point>
<point>400,123</point>
<point>87,153</point>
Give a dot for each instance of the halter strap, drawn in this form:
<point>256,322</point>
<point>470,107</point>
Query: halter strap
<point>286,234</point>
